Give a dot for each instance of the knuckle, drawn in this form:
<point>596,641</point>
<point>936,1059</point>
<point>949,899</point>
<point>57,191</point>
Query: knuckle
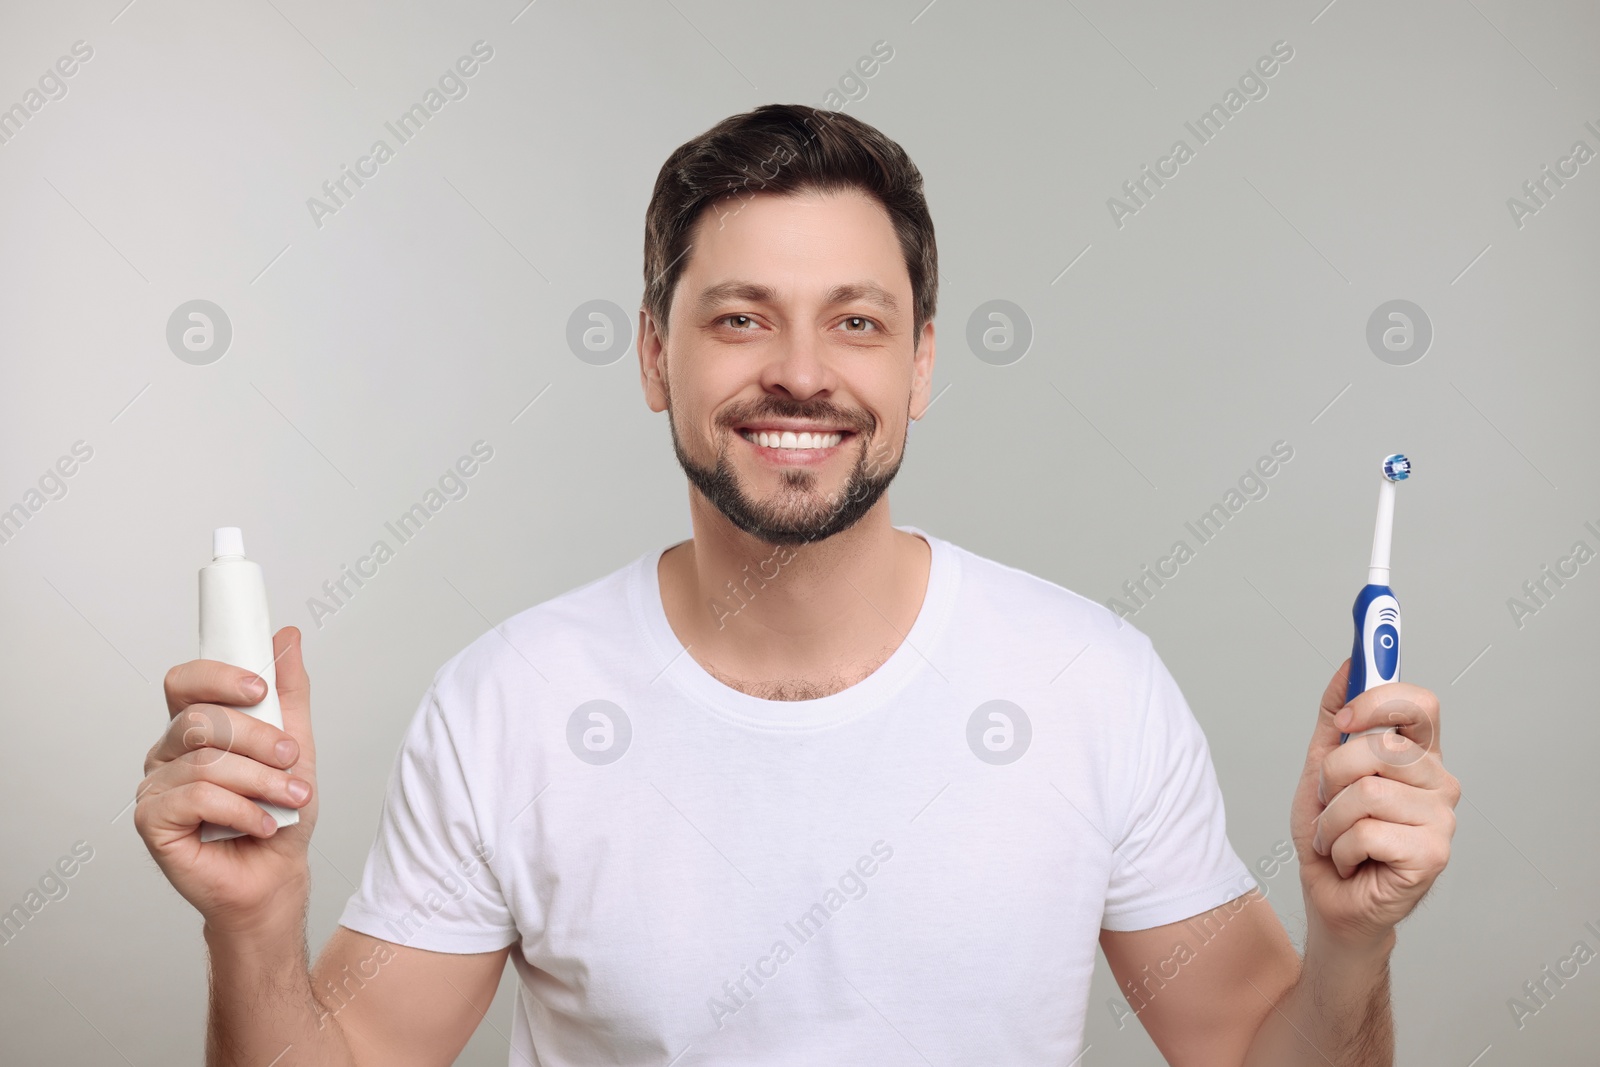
<point>1428,701</point>
<point>212,797</point>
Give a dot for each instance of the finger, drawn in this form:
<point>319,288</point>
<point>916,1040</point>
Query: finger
<point>1388,755</point>
<point>167,816</point>
<point>1378,798</point>
<point>1411,709</point>
<point>236,773</point>
<point>215,730</point>
<point>294,689</point>
<point>1325,737</point>
<point>1411,851</point>
<point>209,681</point>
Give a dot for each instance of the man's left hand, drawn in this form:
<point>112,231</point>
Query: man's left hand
<point>1372,818</point>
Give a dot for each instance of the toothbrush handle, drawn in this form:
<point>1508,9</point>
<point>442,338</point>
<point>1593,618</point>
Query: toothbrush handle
<point>1375,657</point>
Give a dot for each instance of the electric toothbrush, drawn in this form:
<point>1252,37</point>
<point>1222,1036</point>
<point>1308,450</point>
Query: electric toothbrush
<point>1375,658</point>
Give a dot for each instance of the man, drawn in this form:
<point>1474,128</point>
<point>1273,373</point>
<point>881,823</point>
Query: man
<point>808,788</point>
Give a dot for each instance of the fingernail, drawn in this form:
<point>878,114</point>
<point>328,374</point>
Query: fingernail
<point>254,688</point>
<point>299,789</point>
<point>1342,719</point>
<point>268,824</point>
<point>1316,842</point>
<point>284,750</point>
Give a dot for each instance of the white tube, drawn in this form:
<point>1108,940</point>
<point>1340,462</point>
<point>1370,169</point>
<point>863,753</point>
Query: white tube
<point>236,629</point>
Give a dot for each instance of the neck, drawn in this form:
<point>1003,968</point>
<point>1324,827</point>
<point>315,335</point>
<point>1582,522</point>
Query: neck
<point>795,619</point>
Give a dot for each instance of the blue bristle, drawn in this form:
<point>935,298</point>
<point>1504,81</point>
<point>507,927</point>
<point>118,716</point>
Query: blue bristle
<point>1396,468</point>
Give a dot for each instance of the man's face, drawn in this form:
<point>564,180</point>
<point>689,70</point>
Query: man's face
<point>789,370</point>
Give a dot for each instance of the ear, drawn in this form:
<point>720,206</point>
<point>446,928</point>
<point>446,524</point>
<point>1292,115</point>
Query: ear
<point>922,372</point>
<point>652,353</point>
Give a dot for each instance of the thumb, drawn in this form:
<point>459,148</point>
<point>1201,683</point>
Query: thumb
<point>1306,805</point>
<point>294,689</point>
<point>1325,738</point>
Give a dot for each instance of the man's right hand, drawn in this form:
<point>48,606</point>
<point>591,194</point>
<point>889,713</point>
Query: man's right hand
<point>207,764</point>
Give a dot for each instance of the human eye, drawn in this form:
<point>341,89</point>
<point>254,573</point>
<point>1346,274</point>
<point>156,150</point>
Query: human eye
<point>851,322</point>
<point>745,319</point>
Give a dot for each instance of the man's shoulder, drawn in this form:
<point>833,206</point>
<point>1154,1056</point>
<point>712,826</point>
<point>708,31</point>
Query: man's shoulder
<point>1024,600</point>
<point>598,615</point>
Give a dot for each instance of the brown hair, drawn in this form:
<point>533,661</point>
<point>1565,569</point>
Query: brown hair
<point>785,149</point>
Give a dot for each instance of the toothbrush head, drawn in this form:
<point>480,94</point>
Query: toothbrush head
<point>1396,468</point>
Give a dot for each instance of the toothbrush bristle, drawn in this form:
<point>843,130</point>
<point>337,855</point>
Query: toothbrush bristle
<point>1396,468</point>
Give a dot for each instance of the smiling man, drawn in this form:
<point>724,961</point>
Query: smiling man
<point>809,787</point>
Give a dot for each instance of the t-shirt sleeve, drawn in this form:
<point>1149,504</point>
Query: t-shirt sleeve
<point>427,882</point>
<point>1172,859</point>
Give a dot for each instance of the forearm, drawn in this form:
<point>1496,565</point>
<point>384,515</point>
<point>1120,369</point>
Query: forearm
<point>1338,1012</point>
<point>262,1003</point>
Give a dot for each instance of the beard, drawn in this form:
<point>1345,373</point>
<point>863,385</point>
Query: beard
<point>798,515</point>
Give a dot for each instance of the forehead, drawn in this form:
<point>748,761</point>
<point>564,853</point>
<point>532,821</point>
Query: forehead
<point>798,244</point>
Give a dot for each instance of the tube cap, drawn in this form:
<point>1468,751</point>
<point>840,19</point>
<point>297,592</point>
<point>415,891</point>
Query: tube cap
<point>227,541</point>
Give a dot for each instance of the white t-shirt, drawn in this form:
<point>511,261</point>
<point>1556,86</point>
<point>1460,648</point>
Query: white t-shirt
<point>913,869</point>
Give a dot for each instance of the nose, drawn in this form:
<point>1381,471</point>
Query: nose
<point>797,366</point>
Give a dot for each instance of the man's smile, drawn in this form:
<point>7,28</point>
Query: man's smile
<point>794,444</point>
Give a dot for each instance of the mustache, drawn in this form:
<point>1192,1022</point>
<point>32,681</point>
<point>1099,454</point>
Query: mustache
<point>778,407</point>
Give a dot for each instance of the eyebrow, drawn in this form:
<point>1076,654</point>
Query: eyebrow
<point>869,292</point>
<point>712,296</point>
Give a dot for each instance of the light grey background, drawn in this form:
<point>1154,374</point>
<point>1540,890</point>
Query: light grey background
<point>370,353</point>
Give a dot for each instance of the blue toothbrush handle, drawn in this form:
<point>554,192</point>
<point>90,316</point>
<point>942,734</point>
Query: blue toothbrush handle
<point>1375,658</point>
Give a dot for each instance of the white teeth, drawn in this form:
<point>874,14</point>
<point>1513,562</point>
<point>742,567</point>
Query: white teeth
<point>789,439</point>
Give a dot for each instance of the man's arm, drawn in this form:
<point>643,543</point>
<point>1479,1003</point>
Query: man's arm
<point>1372,822</point>
<point>1228,987</point>
<point>368,1001</point>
